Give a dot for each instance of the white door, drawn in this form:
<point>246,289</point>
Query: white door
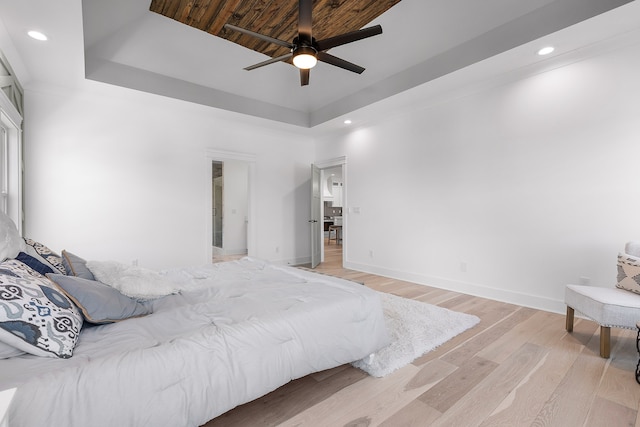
<point>315,222</point>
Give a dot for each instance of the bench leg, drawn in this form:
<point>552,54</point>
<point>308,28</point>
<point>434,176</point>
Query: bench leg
<point>570,313</point>
<point>605,341</point>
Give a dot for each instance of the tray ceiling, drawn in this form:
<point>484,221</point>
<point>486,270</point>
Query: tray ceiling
<point>127,44</point>
<point>277,19</point>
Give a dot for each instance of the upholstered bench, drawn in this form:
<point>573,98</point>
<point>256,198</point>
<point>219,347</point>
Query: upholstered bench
<point>617,307</point>
<point>609,307</point>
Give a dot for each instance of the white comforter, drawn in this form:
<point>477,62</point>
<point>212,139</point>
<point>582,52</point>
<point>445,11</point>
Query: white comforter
<point>237,331</point>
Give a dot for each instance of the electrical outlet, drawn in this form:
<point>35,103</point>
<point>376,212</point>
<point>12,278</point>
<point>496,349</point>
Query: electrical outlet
<point>134,262</point>
<point>370,253</point>
<point>463,267</point>
<point>585,281</point>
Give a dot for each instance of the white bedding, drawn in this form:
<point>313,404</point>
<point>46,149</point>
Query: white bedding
<point>236,331</point>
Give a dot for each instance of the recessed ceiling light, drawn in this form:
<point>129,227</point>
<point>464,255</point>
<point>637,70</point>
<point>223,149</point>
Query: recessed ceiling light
<point>546,50</point>
<point>37,35</point>
<point>347,122</point>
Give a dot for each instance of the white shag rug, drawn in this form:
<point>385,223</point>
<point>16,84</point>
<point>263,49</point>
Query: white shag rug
<point>415,328</point>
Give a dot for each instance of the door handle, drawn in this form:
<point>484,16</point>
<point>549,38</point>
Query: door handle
<point>313,220</point>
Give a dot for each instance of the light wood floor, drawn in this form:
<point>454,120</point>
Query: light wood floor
<point>517,367</point>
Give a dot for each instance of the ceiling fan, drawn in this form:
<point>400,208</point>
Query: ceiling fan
<point>306,51</point>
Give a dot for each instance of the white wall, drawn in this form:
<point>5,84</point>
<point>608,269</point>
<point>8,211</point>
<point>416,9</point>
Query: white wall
<point>118,174</point>
<point>510,192</point>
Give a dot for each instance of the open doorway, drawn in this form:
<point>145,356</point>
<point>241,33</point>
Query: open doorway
<point>334,230</point>
<point>230,208</point>
<point>217,203</point>
<point>332,190</point>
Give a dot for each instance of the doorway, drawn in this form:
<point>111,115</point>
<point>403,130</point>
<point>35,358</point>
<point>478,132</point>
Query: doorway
<point>230,206</point>
<point>217,174</point>
<point>333,190</point>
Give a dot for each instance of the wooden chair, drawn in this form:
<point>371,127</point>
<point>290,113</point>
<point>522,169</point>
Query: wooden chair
<point>337,230</point>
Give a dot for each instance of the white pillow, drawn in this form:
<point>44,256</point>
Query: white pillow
<point>10,241</point>
<point>132,281</point>
<point>632,248</point>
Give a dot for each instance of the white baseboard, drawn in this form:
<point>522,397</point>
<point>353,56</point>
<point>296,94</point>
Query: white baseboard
<point>235,251</point>
<point>526,300</point>
<point>292,261</point>
<point>225,252</point>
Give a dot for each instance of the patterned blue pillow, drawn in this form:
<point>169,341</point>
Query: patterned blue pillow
<point>35,316</point>
<point>44,254</point>
<point>16,268</point>
<point>34,263</point>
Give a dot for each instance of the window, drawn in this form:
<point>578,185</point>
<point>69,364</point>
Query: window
<point>4,169</point>
<point>10,144</point>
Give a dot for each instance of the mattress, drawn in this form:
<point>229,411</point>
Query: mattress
<point>236,331</point>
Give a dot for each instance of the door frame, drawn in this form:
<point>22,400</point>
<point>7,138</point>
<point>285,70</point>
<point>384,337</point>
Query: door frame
<point>220,156</point>
<point>331,163</point>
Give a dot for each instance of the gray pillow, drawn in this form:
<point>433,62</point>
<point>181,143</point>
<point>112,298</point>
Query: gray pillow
<point>76,266</point>
<point>99,303</point>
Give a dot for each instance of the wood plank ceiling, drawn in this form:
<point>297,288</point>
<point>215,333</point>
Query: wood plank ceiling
<point>278,19</point>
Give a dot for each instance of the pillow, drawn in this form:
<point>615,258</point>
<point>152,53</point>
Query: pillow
<point>16,268</point>
<point>44,255</point>
<point>76,266</point>
<point>36,317</point>
<point>7,351</point>
<point>132,281</point>
<point>628,273</point>
<point>10,241</point>
<point>98,302</point>
<point>34,263</point>
<point>632,248</point>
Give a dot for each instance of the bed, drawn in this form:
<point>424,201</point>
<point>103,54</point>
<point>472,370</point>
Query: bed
<point>227,334</point>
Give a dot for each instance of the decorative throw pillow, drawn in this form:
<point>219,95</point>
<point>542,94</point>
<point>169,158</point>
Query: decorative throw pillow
<point>16,268</point>
<point>35,317</point>
<point>628,273</point>
<point>98,302</point>
<point>76,266</point>
<point>32,262</point>
<point>45,255</point>
<point>133,281</point>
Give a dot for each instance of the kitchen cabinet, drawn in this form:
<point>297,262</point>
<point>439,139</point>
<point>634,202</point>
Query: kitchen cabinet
<point>337,195</point>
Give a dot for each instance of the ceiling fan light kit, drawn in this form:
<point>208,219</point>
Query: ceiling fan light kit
<point>305,57</point>
<point>306,51</point>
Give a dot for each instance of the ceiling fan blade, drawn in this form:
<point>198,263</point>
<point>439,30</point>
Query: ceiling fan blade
<point>353,36</point>
<point>338,62</point>
<point>258,35</point>
<point>269,61</point>
<point>304,77</point>
<point>305,20</point>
